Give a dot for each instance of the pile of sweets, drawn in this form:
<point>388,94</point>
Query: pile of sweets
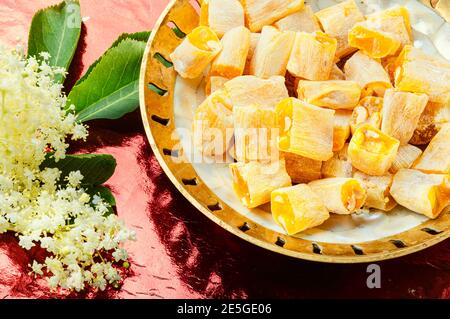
<point>361,116</point>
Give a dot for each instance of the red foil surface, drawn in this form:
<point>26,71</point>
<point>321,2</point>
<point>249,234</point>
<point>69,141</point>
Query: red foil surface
<point>179,253</point>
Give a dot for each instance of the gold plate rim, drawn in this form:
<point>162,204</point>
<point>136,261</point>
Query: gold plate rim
<point>266,244</point>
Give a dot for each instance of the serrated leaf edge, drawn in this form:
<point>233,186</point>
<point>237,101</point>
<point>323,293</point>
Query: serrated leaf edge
<point>108,52</point>
<point>123,37</point>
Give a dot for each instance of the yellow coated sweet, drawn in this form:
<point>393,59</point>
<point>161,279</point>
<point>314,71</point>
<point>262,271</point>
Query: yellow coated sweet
<point>297,208</point>
<point>383,33</point>
<point>222,16</point>
<point>255,133</point>
<point>305,129</point>
<point>340,195</point>
<point>272,52</point>
<point>423,73</point>
<point>401,113</point>
<point>333,94</point>
<point>253,182</point>
<point>213,125</point>
<point>312,56</point>
<point>436,157</point>
<point>371,151</point>
<point>303,20</point>
<point>260,13</point>
<point>250,90</point>
<point>407,155</point>
<point>231,60</point>
<point>368,73</point>
<point>426,194</point>
<point>337,20</point>
<point>195,53</point>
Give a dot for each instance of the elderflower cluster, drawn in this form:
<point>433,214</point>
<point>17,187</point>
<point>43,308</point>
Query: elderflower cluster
<point>83,241</point>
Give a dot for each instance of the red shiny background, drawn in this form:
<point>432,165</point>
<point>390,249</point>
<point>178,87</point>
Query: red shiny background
<point>179,253</point>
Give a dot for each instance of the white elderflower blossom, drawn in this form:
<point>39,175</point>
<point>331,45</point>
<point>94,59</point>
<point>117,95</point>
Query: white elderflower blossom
<point>26,242</point>
<point>75,178</point>
<point>45,55</point>
<point>120,254</point>
<point>37,268</point>
<point>82,242</point>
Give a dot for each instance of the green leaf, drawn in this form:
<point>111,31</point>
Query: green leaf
<point>56,30</point>
<point>111,89</point>
<point>96,168</point>
<point>138,36</point>
<point>106,194</point>
<point>113,106</point>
